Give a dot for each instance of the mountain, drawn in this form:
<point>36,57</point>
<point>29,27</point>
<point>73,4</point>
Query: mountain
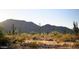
<point>49,28</point>
<point>23,26</point>
<point>20,25</point>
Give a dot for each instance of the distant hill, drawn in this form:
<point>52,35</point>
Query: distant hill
<point>23,26</point>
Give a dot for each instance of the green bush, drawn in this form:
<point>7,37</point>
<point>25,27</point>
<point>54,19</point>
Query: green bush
<point>1,34</point>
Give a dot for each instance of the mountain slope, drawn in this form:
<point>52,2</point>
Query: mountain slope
<point>23,26</point>
<point>49,28</point>
<point>20,25</point>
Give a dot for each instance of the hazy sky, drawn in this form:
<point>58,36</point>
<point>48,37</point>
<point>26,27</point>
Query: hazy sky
<point>59,17</point>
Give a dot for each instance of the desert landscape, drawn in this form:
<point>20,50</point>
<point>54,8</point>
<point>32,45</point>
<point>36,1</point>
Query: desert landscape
<point>18,34</point>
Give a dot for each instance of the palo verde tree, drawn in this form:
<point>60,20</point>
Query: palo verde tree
<point>75,28</point>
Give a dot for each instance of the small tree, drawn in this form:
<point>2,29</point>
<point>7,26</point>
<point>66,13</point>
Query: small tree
<point>75,28</point>
<point>1,34</point>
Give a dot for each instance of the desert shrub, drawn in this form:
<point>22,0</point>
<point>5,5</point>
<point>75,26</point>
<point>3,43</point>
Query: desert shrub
<point>32,45</point>
<point>69,40</point>
<point>67,37</point>
<point>56,35</point>
<point>5,42</point>
<point>70,37</point>
<point>76,37</point>
<point>76,45</point>
<point>15,46</point>
<point>1,32</point>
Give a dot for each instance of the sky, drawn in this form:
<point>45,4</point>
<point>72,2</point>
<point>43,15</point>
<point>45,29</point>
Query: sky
<point>58,17</point>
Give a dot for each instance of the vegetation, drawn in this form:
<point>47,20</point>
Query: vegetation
<point>40,40</point>
<point>4,42</point>
<point>76,29</point>
<point>13,29</point>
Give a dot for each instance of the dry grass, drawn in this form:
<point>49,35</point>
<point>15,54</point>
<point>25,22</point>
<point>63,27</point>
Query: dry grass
<point>50,40</point>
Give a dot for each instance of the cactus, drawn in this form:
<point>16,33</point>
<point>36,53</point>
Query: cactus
<point>75,29</point>
<point>13,29</point>
<point>40,28</point>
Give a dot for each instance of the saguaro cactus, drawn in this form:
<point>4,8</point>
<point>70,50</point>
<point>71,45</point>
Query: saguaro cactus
<point>75,28</point>
<point>13,29</point>
<point>40,28</point>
